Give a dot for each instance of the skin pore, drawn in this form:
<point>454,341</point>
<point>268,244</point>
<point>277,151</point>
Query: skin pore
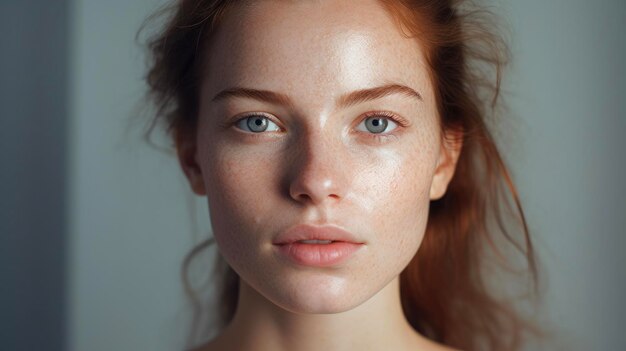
<point>314,75</point>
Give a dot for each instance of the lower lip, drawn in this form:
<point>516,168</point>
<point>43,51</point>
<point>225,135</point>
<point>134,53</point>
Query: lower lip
<point>319,255</point>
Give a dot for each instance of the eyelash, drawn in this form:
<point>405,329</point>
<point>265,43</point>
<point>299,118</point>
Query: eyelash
<point>380,137</point>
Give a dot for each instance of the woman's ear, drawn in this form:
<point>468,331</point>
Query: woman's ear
<point>451,145</point>
<point>187,152</point>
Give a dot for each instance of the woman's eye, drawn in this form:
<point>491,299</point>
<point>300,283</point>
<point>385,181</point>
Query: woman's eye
<point>377,125</point>
<point>257,124</point>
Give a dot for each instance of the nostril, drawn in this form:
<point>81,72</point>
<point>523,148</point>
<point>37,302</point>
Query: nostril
<point>312,195</point>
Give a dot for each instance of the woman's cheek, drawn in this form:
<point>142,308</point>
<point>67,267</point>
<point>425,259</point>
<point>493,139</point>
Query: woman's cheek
<point>408,172</point>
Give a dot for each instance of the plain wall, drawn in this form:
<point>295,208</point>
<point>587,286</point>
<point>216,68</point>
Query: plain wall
<point>567,91</point>
<point>130,223</point>
<point>33,153</point>
<point>131,219</point>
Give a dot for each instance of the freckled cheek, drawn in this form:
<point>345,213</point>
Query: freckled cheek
<point>239,177</point>
<point>402,200</point>
<point>237,188</point>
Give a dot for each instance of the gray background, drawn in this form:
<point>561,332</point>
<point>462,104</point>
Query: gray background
<point>94,223</point>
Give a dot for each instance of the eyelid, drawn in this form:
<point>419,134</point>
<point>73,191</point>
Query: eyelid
<point>401,121</point>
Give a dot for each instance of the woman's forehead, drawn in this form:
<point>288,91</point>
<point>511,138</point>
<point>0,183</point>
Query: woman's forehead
<point>312,48</point>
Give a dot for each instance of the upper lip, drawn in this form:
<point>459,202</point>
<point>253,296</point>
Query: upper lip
<point>315,232</point>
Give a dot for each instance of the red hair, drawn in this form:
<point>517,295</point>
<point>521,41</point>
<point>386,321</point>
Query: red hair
<point>445,289</point>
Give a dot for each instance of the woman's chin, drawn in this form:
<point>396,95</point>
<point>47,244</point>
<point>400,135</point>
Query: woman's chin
<point>317,305</point>
<point>319,295</point>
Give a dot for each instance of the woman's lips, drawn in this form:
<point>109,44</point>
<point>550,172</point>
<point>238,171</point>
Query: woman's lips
<point>315,232</point>
<point>319,255</point>
<point>292,245</point>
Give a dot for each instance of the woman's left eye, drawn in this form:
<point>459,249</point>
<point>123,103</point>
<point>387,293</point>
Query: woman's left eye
<point>377,125</point>
<point>257,124</point>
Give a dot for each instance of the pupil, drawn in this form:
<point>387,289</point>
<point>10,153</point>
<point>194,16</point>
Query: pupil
<point>258,122</point>
<point>376,122</point>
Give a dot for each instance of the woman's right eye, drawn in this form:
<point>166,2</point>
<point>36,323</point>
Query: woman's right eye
<point>257,124</point>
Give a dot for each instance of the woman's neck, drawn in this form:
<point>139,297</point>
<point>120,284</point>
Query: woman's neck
<point>377,324</point>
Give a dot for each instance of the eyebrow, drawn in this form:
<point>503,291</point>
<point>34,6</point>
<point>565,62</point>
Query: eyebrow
<point>347,100</point>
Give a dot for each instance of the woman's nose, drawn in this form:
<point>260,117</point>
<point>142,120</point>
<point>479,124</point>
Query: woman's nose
<point>319,172</point>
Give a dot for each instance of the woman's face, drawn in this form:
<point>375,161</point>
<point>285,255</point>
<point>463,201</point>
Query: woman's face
<point>314,152</point>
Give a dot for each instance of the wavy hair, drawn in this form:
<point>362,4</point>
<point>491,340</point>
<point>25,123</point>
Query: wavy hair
<point>447,290</point>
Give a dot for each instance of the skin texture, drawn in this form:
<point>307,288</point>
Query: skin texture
<point>317,164</point>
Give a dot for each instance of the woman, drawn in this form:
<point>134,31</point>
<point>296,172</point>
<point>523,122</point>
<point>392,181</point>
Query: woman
<point>355,191</point>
